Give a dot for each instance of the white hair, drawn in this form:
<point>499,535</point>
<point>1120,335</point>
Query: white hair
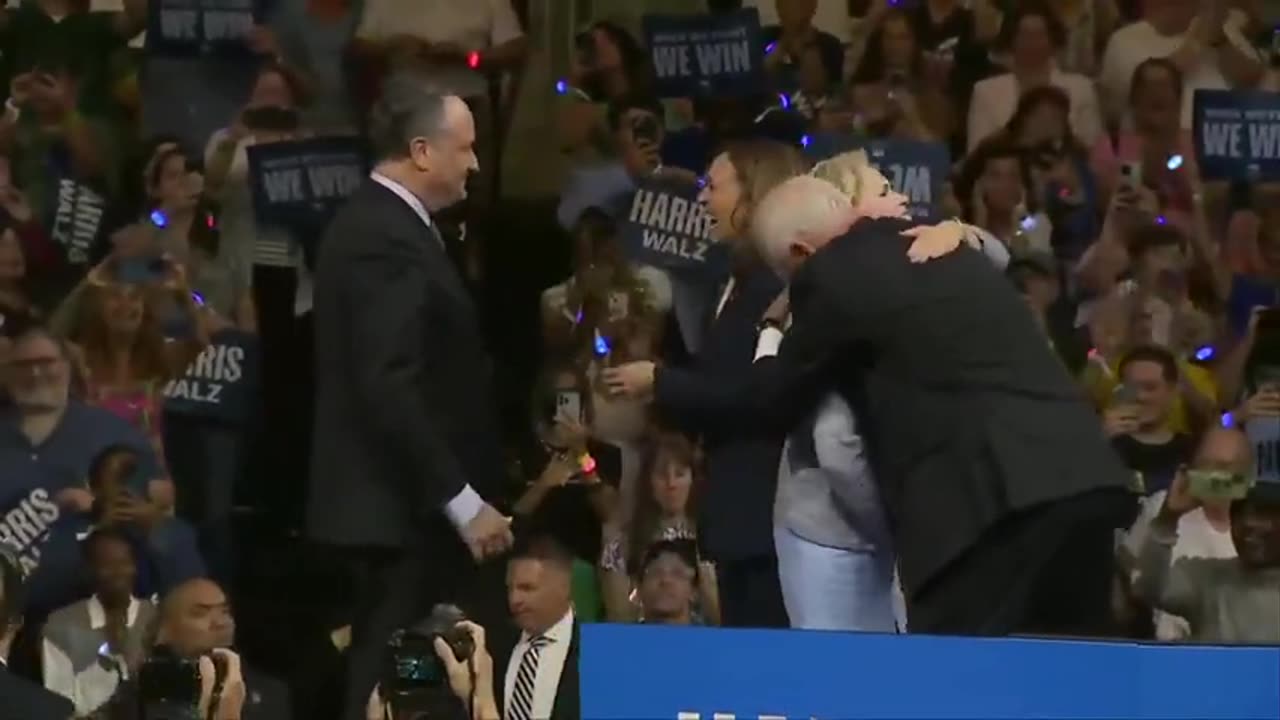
<point>803,210</point>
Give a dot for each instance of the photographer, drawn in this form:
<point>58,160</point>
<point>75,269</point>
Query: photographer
<point>470,681</point>
<point>21,700</point>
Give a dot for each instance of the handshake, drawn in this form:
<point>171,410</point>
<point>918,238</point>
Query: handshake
<point>444,649</point>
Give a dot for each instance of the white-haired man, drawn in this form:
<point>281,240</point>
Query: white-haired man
<point>1000,489</point>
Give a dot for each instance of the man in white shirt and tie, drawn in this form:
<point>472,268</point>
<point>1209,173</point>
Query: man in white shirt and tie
<point>542,676</point>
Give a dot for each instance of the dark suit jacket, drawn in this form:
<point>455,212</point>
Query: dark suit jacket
<point>736,505</point>
<point>265,699</point>
<point>21,699</point>
<point>969,415</point>
<point>568,702</point>
<point>404,414</point>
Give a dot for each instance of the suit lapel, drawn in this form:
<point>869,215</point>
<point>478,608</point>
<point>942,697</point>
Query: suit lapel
<point>567,705</point>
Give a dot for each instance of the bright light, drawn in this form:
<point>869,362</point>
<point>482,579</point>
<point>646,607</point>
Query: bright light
<point>784,101</point>
<point>1174,162</point>
<point>1160,220</point>
<point>770,47</point>
<point>1228,420</point>
<point>1028,223</point>
<point>804,141</point>
<point>473,59</point>
<point>1205,353</point>
<point>159,219</point>
<point>601,344</point>
<point>562,87</point>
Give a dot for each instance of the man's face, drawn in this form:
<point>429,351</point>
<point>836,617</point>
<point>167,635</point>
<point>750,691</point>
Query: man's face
<point>200,620</point>
<point>113,567</point>
<point>667,588</point>
<point>538,594</point>
<point>38,376</point>
<point>721,195</point>
<point>450,157</point>
<point>1255,531</point>
<point>1154,392</point>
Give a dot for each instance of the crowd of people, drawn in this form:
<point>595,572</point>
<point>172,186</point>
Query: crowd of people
<point>1056,413</point>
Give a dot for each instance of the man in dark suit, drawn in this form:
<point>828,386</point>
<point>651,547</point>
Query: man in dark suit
<point>21,699</point>
<point>541,680</point>
<point>999,485</point>
<point>406,439</point>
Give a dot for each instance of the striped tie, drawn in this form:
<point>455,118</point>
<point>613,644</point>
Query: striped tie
<point>521,707</point>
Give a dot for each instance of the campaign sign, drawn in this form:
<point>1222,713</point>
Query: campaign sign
<point>221,383</point>
<point>185,28</point>
<point>300,183</point>
<point>916,169</point>
<point>695,673</point>
<point>77,219</point>
<point>1237,134</point>
<point>718,54</point>
<point>665,226</point>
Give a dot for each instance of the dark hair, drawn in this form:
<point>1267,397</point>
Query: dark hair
<point>1028,9</point>
<point>632,101</point>
<point>1152,354</point>
<point>545,549</point>
<point>998,147</point>
<point>101,535</point>
<point>1163,63</point>
<point>1146,238</point>
<point>297,86</point>
<point>13,595</point>
<point>98,466</point>
<point>871,68</point>
<point>1031,100</point>
<point>408,109</point>
<point>636,64</point>
<point>642,526</point>
<point>158,160</point>
<point>685,550</point>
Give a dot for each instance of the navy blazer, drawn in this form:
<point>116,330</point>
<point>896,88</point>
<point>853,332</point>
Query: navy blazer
<point>741,449</point>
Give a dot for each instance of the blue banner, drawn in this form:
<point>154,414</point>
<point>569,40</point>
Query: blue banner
<point>918,170</point>
<point>695,55</point>
<point>299,184</point>
<point>222,383</point>
<point>678,673</point>
<point>665,226</point>
<point>1237,134</point>
<point>201,27</point>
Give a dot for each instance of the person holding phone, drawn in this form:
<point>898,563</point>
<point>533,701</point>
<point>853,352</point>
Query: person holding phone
<point>1137,419</point>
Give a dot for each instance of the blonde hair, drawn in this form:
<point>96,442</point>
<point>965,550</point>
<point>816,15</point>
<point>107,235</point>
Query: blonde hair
<point>845,172</point>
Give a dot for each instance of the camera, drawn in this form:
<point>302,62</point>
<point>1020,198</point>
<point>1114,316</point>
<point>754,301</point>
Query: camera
<point>412,664</point>
<point>169,685</point>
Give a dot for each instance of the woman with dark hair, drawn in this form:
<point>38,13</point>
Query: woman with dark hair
<point>893,64</point>
<point>996,187</point>
<point>1032,35</point>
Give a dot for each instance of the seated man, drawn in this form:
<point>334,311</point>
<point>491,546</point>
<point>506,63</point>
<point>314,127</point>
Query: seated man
<point>668,583</point>
<point>49,443</point>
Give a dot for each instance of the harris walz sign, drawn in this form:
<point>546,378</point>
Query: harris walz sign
<point>76,220</point>
<point>183,28</point>
<point>665,226</point>
<point>221,384</point>
<point>693,55</point>
<point>299,184</point>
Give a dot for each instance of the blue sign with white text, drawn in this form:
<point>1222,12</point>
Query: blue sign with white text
<point>665,226</point>
<point>695,55</point>
<point>222,382</point>
<point>201,27</point>
<point>692,673</point>
<point>916,169</point>
<point>299,184</point>
<point>1237,134</point>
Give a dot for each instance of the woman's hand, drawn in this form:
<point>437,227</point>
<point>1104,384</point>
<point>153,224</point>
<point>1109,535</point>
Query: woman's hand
<point>161,491</point>
<point>934,241</point>
<point>559,470</point>
<point>571,432</point>
<point>632,380</point>
<point>1264,403</point>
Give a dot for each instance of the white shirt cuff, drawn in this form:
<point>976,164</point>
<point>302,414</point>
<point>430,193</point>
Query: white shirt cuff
<point>463,508</point>
<point>768,343</point>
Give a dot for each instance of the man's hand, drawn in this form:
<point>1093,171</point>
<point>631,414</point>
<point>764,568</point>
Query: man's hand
<point>128,509</point>
<point>1264,403</point>
<point>1178,501</point>
<point>56,92</point>
<point>934,241</point>
<point>1120,420</point>
<point>77,500</point>
<point>632,380</point>
<point>460,674</point>
<point>488,534</point>
<point>231,702</point>
<point>779,309</point>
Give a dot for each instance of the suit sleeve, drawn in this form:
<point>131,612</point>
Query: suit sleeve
<point>387,296</point>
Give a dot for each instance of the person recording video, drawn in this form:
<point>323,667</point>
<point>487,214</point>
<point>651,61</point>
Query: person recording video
<point>444,654</point>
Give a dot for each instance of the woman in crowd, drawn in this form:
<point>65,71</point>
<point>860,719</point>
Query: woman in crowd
<point>894,60</point>
<point>1032,34</point>
<point>664,510</point>
<point>998,191</point>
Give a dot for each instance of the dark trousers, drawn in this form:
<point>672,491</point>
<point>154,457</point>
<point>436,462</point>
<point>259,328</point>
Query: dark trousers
<point>397,587</point>
<point>750,593</point>
<point>1043,571</point>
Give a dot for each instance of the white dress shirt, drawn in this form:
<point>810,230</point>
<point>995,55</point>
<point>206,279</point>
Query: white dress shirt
<point>550,666</point>
<point>995,100</point>
<point>464,506</point>
<point>91,687</point>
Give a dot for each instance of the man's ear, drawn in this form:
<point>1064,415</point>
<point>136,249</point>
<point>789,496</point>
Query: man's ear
<point>420,153</point>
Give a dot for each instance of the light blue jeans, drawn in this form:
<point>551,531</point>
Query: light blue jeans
<point>827,588</point>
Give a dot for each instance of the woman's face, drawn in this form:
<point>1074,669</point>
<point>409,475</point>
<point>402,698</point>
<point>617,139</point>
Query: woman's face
<point>898,43</point>
<point>122,308</point>
<point>1045,123</point>
<point>721,196</point>
<point>1002,185</point>
<point>271,90</point>
<point>1155,98</point>
<point>1032,45</point>
<point>671,482</point>
<point>608,54</point>
<point>13,267</point>
<point>176,187</point>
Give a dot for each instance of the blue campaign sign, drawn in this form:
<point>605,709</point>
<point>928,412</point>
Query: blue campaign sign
<point>665,226</point>
<point>718,54</point>
<point>300,183</point>
<point>1237,134</point>
<point>201,27</point>
<point>222,383</point>
<point>687,673</point>
<point>916,169</point>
